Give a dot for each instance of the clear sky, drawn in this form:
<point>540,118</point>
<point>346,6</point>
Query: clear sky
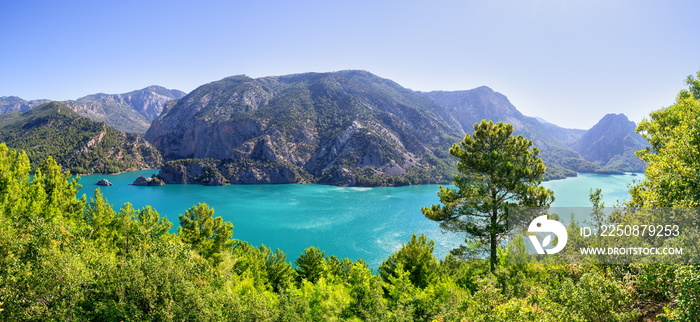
<point>569,62</point>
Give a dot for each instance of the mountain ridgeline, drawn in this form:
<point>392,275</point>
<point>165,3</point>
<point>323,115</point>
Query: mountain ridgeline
<point>354,128</point>
<point>611,144</point>
<point>343,128</point>
<point>128,112</point>
<point>77,143</point>
<point>340,128</point>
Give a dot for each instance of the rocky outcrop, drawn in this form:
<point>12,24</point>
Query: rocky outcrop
<point>143,181</point>
<point>129,112</point>
<point>197,171</point>
<point>104,182</point>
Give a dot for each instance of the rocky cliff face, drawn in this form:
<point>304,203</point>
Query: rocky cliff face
<point>214,173</point>
<point>338,128</point>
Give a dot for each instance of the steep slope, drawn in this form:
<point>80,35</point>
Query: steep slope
<point>611,143</point>
<point>77,143</point>
<point>471,106</point>
<point>346,128</point>
<point>131,112</point>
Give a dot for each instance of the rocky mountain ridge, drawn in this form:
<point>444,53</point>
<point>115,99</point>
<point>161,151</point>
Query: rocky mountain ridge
<point>9,104</point>
<point>611,143</point>
<point>128,112</point>
<point>346,128</point>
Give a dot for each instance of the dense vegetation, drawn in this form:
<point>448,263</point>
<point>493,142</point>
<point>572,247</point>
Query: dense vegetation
<point>77,143</point>
<point>71,259</point>
<point>67,258</point>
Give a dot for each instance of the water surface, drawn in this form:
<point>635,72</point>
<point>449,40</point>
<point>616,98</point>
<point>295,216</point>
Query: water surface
<point>367,223</point>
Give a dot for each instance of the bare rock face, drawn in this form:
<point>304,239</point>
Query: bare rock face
<point>343,128</point>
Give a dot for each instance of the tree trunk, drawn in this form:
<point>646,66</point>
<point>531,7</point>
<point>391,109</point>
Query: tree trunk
<point>492,237</point>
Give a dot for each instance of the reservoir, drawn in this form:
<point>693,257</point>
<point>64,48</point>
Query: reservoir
<point>353,222</point>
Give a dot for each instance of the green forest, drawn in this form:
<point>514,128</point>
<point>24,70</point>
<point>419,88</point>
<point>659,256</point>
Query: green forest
<point>65,257</point>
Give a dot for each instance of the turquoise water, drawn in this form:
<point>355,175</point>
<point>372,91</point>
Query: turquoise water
<point>574,192</point>
<point>367,223</point>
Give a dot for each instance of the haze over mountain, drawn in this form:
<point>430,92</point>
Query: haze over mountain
<point>77,143</point>
<point>350,127</point>
<point>611,143</point>
<point>129,112</point>
<point>554,142</point>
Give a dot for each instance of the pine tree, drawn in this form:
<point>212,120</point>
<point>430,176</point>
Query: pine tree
<point>497,171</point>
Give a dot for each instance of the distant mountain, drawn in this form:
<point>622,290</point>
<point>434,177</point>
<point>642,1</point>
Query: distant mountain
<point>343,128</point>
<point>129,112</point>
<point>76,142</point>
<point>611,143</point>
<point>10,104</point>
<point>471,106</point>
<point>347,128</point>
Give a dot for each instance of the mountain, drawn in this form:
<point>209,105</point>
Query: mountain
<point>10,104</point>
<point>471,106</point>
<point>131,112</point>
<point>343,128</point>
<point>77,143</point>
<point>611,143</point>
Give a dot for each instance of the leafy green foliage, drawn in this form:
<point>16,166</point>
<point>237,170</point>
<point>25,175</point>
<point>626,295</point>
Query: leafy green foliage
<point>673,159</point>
<point>208,235</point>
<point>416,258</point>
<point>311,264</point>
<point>671,180</point>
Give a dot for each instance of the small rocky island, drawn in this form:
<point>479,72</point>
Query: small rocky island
<point>152,181</point>
<point>104,182</point>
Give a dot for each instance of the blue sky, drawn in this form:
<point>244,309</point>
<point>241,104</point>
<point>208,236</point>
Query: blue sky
<point>569,62</point>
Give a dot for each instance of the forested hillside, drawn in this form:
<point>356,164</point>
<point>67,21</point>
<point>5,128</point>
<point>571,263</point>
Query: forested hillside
<point>77,143</point>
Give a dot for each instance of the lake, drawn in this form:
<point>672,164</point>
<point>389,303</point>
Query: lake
<point>367,223</point>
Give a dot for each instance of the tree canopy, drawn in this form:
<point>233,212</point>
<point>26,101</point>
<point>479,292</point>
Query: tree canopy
<point>673,159</point>
<point>496,171</point>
